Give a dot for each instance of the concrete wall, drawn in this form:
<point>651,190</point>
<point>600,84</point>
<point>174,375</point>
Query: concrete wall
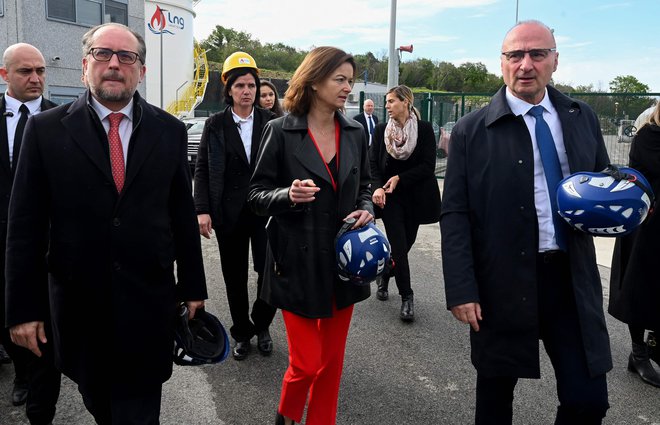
<point>25,21</point>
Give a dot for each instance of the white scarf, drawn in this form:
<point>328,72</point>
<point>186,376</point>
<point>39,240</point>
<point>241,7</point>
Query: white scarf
<point>400,142</point>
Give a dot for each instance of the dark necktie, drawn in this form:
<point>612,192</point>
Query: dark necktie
<point>371,125</point>
<point>551,169</point>
<point>18,135</point>
<point>116,150</point>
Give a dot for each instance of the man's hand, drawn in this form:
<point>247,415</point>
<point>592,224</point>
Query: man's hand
<point>193,306</point>
<point>205,228</point>
<point>26,335</point>
<point>468,313</point>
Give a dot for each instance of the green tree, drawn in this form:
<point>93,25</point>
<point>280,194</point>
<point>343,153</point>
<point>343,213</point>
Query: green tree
<point>629,106</point>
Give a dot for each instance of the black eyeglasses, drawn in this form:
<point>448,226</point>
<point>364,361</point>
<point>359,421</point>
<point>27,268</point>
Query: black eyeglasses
<point>537,55</point>
<point>102,54</point>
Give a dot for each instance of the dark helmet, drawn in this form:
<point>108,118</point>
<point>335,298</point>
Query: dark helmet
<point>200,340</point>
<point>362,254</point>
<point>610,203</point>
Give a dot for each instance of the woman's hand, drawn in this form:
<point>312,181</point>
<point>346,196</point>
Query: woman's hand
<point>362,217</point>
<point>391,184</point>
<point>378,197</point>
<point>303,191</point>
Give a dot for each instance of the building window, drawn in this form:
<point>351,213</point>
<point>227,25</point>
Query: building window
<point>88,12</point>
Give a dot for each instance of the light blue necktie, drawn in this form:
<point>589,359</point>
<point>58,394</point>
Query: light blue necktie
<point>551,169</point>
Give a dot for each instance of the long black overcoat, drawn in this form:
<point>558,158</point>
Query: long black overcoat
<point>490,235</point>
<point>300,274</point>
<point>635,283</point>
<point>110,257</point>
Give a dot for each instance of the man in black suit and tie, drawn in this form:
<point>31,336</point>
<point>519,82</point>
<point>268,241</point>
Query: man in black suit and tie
<point>367,119</point>
<point>36,380</point>
<point>100,212</point>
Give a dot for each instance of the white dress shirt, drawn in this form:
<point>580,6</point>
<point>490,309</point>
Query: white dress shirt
<point>12,115</point>
<point>125,126</point>
<point>245,126</point>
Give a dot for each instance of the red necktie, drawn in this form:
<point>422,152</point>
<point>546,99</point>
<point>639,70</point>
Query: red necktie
<point>116,150</point>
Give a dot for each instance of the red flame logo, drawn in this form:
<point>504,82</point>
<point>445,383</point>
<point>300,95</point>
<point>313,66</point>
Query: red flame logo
<point>158,19</point>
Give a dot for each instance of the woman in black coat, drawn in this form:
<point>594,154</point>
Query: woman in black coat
<point>312,174</point>
<point>406,191</point>
<point>635,283</point>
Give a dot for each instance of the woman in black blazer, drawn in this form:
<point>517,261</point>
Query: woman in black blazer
<point>311,175</point>
<point>405,192</point>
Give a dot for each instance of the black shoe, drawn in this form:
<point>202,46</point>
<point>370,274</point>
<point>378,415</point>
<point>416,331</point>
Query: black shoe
<point>241,350</point>
<point>19,393</point>
<point>4,357</point>
<point>381,292</point>
<point>264,343</point>
<point>639,363</point>
<point>653,347</point>
<point>279,420</point>
<point>407,308</point>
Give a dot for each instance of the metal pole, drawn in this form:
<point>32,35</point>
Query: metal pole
<point>393,64</point>
<point>517,11</point>
<point>161,68</point>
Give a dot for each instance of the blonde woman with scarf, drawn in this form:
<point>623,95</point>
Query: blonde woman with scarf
<point>405,191</point>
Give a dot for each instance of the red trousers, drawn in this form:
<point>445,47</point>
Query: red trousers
<point>316,359</point>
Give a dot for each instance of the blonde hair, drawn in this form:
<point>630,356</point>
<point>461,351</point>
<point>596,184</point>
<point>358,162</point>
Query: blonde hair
<point>318,65</point>
<point>404,93</point>
<point>654,117</point>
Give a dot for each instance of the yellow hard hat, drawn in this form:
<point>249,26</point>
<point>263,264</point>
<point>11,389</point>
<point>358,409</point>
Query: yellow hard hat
<point>238,60</point>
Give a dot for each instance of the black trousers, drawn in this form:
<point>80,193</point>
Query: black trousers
<point>401,232</point>
<point>582,398</point>
<point>234,258</point>
<point>116,408</point>
<point>39,374</point>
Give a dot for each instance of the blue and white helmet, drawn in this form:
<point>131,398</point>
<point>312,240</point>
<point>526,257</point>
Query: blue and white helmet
<point>610,203</point>
<point>200,340</point>
<point>362,254</point>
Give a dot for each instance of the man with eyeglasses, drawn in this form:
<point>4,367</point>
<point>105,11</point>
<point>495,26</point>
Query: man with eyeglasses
<point>100,212</point>
<point>36,380</point>
<point>513,270</point>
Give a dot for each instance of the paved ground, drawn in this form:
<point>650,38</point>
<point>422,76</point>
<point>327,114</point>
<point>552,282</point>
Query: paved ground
<point>395,373</point>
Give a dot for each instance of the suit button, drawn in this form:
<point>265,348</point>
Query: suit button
<point>520,161</point>
<point>522,208</point>
<point>523,253</point>
<point>116,222</point>
<point>116,266</point>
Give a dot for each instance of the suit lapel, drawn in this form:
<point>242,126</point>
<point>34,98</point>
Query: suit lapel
<point>82,126</point>
<point>257,126</point>
<point>4,139</point>
<point>147,131</point>
<point>233,137</point>
<point>310,158</point>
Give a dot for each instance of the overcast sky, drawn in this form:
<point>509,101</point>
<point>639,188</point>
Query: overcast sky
<point>597,40</point>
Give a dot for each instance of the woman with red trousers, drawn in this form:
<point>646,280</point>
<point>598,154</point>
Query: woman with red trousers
<point>312,174</point>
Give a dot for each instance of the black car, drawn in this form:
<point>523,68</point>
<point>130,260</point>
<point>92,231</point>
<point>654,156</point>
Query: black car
<point>194,137</point>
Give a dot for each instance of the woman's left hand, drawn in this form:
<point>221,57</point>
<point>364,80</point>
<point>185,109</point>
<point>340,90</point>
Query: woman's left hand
<point>391,184</point>
<point>361,217</point>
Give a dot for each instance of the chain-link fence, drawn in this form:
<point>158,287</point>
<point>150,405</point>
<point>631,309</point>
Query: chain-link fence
<point>616,112</point>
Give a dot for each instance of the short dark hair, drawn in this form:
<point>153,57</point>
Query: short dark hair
<point>232,76</point>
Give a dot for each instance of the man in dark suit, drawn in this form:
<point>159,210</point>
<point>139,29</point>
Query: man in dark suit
<point>102,201</point>
<point>367,119</point>
<point>36,381</point>
<point>225,162</point>
<point>513,268</point>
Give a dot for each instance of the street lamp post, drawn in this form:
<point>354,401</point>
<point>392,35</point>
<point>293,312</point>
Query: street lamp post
<point>393,64</point>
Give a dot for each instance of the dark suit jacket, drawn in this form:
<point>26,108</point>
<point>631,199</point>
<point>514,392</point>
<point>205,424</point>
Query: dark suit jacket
<point>301,268</point>
<point>490,235</point>
<point>110,256</point>
<point>222,170</point>
<point>634,284</point>
<point>362,120</point>
<point>6,182</point>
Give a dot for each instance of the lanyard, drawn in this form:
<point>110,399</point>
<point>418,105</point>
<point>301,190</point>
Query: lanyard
<point>332,179</point>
